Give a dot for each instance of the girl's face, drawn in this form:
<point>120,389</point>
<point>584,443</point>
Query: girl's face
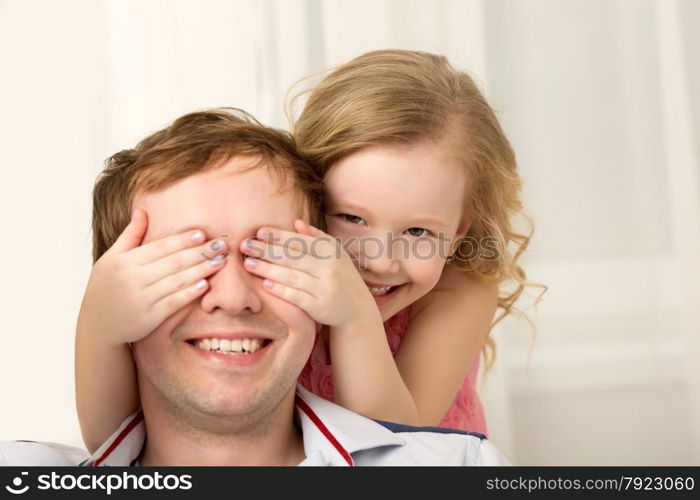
<point>398,211</point>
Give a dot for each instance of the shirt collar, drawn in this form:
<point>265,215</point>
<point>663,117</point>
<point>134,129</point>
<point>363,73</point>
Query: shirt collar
<point>331,435</point>
<point>124,446</point>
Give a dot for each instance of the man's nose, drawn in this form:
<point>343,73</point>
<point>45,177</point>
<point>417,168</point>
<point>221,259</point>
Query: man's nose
<point>233,289</point>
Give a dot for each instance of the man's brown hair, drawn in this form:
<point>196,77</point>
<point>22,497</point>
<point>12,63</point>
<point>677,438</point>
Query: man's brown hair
<point>191,144</point>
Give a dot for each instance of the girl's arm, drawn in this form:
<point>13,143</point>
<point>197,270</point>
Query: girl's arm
<point>365,376</point>
<point>447,330</point>
<point>105,384</point>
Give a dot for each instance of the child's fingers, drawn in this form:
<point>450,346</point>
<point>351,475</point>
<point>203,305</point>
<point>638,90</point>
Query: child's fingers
<point>299,298</point>
<point>176,282</point>
<point>289,239</point>
<point>184,259</point>
<point>172,303</point>
<point>330,245</point>
<point>286,257</point>
<point>133,233</point>
<point>304,227</point>
<point>273,251</point>
<point>159,248</point>
<point>281,274</point>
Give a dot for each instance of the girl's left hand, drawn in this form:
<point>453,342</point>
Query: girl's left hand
<point>311,270</point>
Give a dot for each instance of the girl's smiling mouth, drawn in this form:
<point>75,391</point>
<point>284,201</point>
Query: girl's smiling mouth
<point>383,294</point>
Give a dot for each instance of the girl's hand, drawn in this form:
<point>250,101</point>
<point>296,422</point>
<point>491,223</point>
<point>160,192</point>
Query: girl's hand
<point>132,289</point>
<point>311,270</point>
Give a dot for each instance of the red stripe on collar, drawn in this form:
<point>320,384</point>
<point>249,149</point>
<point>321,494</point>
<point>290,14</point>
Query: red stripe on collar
<point>324,430</point>
<point>130,426</point>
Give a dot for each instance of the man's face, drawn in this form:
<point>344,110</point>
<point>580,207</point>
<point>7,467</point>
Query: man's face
<point>172,369</point>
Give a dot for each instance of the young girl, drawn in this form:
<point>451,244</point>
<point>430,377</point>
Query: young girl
<point>421,185</point>
<point>409,149</point>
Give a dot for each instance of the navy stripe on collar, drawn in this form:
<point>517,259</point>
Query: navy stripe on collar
<point>394,427</point>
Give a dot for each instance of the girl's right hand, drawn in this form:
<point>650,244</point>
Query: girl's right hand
<point>132,289</point>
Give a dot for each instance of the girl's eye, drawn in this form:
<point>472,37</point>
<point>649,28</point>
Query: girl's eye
<point>353,219</point>
<point>417,231</point>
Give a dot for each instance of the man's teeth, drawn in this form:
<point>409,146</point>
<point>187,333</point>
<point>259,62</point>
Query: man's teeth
<point>228,346</point>
<point>380,290</point>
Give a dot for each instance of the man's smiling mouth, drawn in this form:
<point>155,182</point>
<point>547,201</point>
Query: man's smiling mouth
<point>230,346</point>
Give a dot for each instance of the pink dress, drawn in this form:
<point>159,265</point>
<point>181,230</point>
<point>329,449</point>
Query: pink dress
<point>466,412</point>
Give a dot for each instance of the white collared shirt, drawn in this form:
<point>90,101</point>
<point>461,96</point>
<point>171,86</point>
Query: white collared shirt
<point>332,435</point>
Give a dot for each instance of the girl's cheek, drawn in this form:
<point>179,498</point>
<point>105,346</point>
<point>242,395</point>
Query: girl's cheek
<point>430,249</point>
<point>425,273</point>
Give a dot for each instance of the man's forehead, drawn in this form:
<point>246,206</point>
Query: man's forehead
<point>221,201</point>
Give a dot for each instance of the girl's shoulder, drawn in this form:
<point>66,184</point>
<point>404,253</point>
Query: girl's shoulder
<point>454,288</point>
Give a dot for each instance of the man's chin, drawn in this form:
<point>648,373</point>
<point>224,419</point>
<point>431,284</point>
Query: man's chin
<point>232,409</point>
<point>230,402</point>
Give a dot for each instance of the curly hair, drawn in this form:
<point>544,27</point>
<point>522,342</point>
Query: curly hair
<point>389,97</point>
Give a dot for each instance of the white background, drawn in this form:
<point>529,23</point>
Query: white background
<point>601,100</point>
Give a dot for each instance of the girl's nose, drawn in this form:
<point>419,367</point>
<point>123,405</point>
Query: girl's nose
<point>378,256</point>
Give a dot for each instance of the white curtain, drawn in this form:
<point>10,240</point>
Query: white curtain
<point>601,100</point>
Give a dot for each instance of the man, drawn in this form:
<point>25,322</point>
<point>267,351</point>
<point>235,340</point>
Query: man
<point>226,174</point>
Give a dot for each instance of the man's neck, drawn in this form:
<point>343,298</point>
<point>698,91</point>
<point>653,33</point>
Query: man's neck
<point>274,440</point>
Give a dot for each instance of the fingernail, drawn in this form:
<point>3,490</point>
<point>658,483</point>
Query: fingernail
<point>264,234</point>
<point>249,245</point>
<point>201,284</point>
<point>268,284</point>
<point>217,260</point>
<point>250,263</point>
<point>197,236</point>
<point>217,245</point>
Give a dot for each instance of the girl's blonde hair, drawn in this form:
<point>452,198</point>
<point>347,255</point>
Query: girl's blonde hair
<point>389,97</point>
